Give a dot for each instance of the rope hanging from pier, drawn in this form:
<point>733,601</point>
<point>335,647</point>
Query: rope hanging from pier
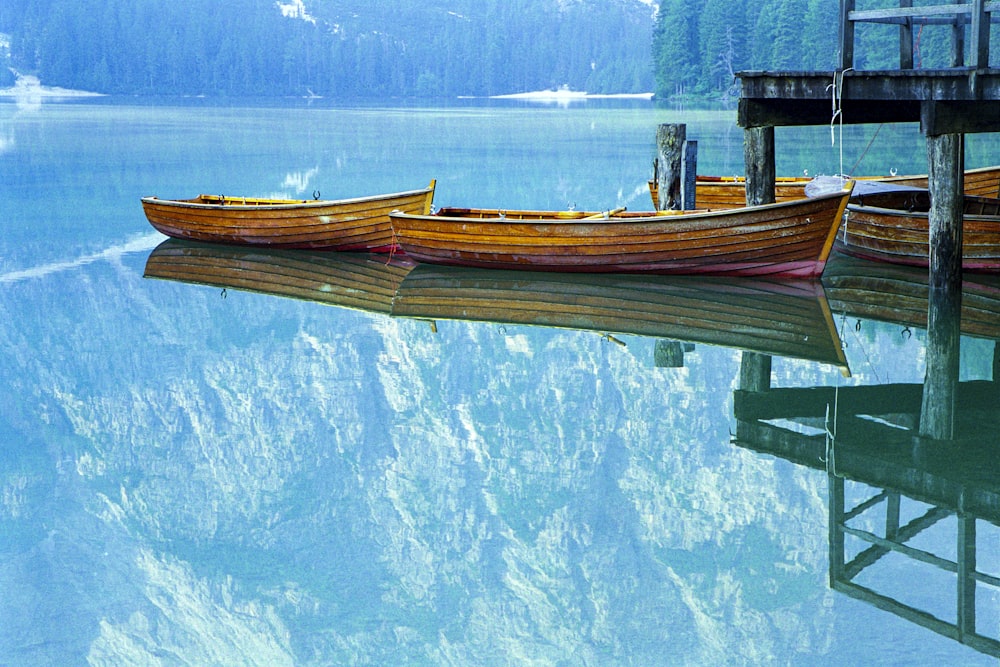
<point>837,89</point>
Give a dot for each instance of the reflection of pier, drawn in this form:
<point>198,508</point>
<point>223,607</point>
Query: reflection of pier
<point>874,445</point>
<point>868,440</point>
<point>948,103</point>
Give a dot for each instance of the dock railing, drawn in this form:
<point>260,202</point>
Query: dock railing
<point>978,14</point>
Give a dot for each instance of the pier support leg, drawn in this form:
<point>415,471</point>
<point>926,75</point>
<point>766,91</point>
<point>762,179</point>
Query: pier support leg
<point>945,159</point>
<point>758,156</point>
<point>946,182</point>
<point>670,139</point>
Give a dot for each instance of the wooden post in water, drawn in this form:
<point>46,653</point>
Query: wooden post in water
<point>689,175</point>
<point>758,156</point>
<point>945,162</point>
<point>669,149</point>
<point>946,182</point>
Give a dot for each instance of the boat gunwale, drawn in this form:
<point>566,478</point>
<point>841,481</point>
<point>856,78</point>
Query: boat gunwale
<point>279,204</point>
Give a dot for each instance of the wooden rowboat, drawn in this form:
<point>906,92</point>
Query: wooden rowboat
<point>361,223</point>
<point>787,318</point>
<point>718,192</point>
<point>791,238</point>
<point>360,281</point>
<point>895,227</point>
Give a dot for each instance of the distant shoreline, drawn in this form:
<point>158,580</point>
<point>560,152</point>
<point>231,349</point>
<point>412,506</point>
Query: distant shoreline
<point>567,95</point>
<point>28,87</point>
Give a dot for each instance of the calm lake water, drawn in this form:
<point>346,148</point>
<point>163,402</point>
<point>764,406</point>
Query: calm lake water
<point>194,474</point>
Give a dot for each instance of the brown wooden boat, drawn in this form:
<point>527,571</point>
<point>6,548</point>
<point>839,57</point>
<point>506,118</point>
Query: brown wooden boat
<point>791,239</point>
<point>717,192</point>
<point>788,318</point>
<point>898,294</point>
<point>361,223</point>
<point>895,227</point>
<point>361,281</point>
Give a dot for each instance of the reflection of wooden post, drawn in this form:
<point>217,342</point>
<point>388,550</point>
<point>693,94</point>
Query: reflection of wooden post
<point>758,156</point>
<point>966,561</point>
<point>755,371</point>
<point>668,354</point>
<point>835,517</point>
<point>996,363</point>
<point>892,515</point>
<point>937,412</point>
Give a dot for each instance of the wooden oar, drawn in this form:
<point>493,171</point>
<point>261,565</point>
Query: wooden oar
<point>608,214</point>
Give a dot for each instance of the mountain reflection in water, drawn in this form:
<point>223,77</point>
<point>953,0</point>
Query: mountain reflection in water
<point>338,459</point>
<point>868,444</point>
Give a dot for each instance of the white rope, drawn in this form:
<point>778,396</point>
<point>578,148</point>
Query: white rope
<point>830,428</point>
<point>837,89</point>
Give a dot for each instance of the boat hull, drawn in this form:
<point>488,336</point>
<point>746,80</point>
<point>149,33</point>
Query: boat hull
<point>901,234</point>
<point>346,224</point>
<point>791,239</point>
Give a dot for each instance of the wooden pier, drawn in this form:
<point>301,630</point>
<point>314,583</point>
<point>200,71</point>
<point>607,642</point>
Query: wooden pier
<point>947,103</point>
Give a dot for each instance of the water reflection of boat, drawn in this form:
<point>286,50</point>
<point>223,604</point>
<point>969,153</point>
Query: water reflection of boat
<point>783,318</point>
<point>361,223</point>
<point>353,280</point>
<point>898,294</point>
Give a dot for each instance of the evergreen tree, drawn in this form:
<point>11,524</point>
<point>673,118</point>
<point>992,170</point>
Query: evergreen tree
<point>675,40</point>
<point>349,48</point>
<point>821,42</point>
<point>720,36</point>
